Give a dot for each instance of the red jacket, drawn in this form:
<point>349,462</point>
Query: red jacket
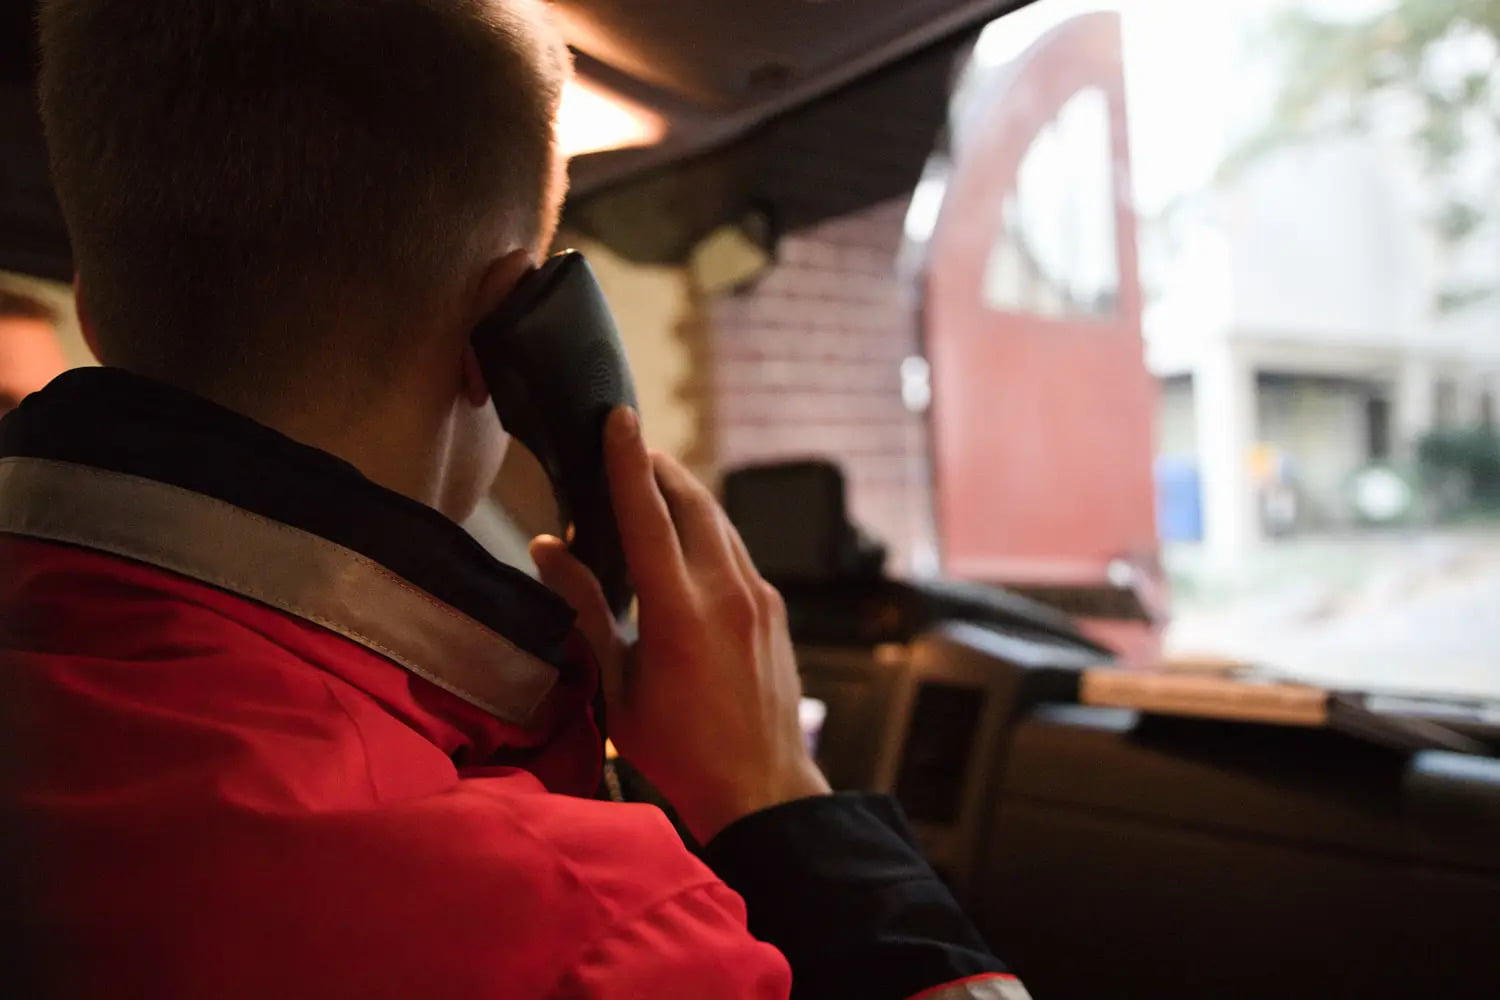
<point>274,731</point>
<point>222,801</point>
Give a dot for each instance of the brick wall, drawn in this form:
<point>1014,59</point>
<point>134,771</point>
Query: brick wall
<point>806,363</point>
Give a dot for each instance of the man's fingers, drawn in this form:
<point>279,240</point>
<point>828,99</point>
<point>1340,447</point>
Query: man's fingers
<point>646,532</point>
<point>742,559</point>
<point>702,528</point>
<point>572,581</point>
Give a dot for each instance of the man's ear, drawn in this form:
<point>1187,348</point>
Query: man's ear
<point>475,389</point>
<point>495,284</point>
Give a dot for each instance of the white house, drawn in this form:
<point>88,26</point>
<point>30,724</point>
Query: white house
<point>1298,313</point>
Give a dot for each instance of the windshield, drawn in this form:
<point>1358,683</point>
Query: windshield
<point>1306,191</point>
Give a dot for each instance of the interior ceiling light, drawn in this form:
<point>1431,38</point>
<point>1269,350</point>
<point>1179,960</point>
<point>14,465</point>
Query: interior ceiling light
<point>592,119</point>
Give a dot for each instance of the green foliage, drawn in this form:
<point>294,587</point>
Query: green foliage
<point>1471,456</point>
<point>1339,74</point>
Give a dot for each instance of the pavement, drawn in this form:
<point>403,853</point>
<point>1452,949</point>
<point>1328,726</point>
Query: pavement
<point>1416,611</point>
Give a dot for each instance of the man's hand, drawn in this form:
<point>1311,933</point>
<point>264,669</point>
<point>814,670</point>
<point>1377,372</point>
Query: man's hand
<point>705,702</point>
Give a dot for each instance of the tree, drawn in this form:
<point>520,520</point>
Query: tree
<point>1428,69</point>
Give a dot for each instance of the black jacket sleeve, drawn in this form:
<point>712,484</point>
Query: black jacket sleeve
<point>838,885</point>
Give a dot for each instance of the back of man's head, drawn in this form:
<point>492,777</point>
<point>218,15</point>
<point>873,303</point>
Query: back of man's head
<point>246,182</point>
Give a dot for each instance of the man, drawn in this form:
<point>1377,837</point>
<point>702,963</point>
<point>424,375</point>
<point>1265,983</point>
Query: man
<point>280,727</point>
<point>30,356</point>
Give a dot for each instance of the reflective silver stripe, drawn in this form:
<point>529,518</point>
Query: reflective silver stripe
<point>987,988</point>
<point>289,569</point>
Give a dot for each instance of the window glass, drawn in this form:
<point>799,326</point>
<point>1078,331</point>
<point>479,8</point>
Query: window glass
<point>1055,254</point>
<point>1318,241</point>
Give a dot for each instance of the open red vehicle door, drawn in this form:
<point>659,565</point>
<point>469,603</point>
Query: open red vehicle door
<point>1042,404</point>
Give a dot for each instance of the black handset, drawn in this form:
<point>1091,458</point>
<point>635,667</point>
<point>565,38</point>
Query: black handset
<point>552,357</point>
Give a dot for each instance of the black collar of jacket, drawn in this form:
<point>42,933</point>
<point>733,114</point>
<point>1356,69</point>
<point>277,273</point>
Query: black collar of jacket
<point>111,419</point>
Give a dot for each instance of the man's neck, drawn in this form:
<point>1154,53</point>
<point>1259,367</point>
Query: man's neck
<point>392,435</point>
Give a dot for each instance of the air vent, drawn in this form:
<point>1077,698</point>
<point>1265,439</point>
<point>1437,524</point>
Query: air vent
<point>939,744</point>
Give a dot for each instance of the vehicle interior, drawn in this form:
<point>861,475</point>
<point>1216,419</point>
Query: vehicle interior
<point>1111,390</point>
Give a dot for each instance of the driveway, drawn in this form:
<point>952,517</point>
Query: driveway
<point>1416,612</point>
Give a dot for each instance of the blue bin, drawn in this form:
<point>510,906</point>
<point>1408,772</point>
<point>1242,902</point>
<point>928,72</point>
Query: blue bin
<point>1179,500</point>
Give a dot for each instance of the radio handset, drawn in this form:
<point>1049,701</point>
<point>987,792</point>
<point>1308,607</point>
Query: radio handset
<point>552,357</point>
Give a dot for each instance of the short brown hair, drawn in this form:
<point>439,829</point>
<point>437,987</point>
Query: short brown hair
<point>19,305</point>
<point>236,175</point>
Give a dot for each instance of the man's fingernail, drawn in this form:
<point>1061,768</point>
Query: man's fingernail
<point>624,425</point>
